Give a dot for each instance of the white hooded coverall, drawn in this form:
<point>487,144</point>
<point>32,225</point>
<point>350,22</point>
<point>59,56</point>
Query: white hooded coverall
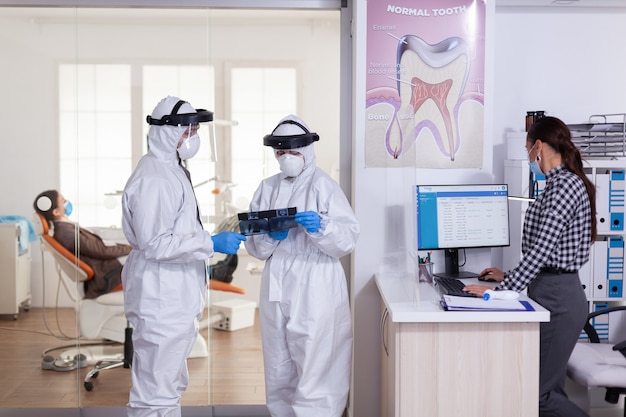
<point>304,307</point>
<point>164,277</point>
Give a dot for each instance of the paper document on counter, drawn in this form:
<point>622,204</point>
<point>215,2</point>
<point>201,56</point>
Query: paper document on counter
<point>453,303</point>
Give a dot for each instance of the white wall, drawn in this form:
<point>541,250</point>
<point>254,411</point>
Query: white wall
<point>567,62</point>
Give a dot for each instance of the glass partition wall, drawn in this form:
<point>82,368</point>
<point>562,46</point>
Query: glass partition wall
<point>77,85</point>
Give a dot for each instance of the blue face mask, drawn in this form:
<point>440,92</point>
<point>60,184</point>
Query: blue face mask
<point>68,208</point>
<point>534,166</point>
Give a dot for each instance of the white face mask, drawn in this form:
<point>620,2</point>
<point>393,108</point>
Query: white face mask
<point>291,165</point>
<point>189,148</point>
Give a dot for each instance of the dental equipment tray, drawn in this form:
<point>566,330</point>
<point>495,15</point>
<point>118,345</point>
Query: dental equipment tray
<point>261,222</point>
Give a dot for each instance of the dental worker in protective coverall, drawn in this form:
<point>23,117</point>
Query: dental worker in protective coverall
<point>164,277</point>
<point>304,308</point>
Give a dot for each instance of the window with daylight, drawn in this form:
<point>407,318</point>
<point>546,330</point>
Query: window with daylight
<point>261,96</point>
<point>95,139</point>
<point>96,125</point>
<point>97,121</point>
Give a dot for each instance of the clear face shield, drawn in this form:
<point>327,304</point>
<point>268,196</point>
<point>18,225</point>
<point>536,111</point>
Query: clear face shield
<point>211,127</point>
<point>191,141</point>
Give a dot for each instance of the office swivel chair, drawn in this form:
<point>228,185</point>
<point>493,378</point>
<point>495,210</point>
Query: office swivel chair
<point>103,317</point>
<point>597,364</point>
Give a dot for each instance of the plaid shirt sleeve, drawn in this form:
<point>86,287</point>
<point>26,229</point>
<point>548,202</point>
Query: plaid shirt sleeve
<point>557,230</point>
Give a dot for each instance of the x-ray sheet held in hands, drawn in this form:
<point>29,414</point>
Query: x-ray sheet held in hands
<point>261,222</point>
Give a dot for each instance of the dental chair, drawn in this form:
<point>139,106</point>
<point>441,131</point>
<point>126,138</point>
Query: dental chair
<point>101,318</point>
<point>597,364</point>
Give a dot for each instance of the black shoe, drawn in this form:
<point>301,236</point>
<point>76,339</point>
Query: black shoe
<point>223,270</point>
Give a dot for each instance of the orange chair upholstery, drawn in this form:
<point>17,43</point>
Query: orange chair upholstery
<point>223,286</point>
<point>53,246</point>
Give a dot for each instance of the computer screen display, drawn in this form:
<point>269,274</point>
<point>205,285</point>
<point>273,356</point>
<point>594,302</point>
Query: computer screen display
<point>462,216</point>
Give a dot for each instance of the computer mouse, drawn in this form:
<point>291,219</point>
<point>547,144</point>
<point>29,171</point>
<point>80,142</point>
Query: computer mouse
<point>486,278</point>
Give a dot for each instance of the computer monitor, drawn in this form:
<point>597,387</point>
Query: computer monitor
<point>455,217</point>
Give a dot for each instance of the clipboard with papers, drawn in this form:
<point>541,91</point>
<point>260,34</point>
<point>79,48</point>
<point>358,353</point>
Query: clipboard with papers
<point>454,303</point>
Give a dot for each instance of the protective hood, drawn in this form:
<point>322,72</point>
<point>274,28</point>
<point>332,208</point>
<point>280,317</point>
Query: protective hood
<point>163,139</point>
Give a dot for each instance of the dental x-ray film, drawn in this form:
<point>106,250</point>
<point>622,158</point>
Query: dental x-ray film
<point>261,222</point>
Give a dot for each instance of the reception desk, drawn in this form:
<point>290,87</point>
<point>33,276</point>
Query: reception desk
<point>438,363</point>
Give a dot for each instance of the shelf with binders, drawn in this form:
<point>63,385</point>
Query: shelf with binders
<point>603,276</point>
<point>607,259</point>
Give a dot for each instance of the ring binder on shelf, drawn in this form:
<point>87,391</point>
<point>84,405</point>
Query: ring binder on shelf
<point>615,267</point>
<point>600,268</point>
<point>610,200</point>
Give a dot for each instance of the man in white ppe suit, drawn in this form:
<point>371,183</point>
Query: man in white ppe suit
<point>304,307</point>
<point>164,278</point>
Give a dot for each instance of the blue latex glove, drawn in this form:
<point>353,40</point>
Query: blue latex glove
<point>280,235</point>
<point>227,242</point>
<point>310,220</point>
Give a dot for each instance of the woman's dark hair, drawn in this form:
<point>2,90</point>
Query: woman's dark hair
<point>557,135</point>
<point>45,203</point>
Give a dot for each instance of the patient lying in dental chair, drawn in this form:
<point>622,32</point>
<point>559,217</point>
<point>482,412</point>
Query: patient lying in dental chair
<point>102,258</point>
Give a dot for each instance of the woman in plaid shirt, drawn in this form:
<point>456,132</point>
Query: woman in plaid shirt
<point>559,228</point>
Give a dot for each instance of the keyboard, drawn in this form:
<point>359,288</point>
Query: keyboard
<point>452,286</point>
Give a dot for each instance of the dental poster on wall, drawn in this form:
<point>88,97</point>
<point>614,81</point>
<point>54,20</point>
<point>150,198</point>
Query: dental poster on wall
<point>425,83</point>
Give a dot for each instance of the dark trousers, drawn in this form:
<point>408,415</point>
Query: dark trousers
<point>563,296</point>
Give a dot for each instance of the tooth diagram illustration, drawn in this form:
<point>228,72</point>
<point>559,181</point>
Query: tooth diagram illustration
<point>431,80</point>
